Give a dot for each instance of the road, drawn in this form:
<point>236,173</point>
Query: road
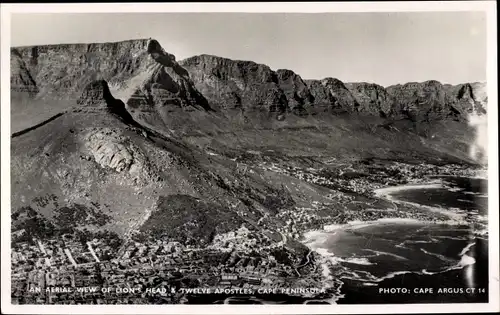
<point>308,260</point>
<point>92,252</point>
<point>70,257</point>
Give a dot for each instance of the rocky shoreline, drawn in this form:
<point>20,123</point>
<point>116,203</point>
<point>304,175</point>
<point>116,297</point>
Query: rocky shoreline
<point>313,238</point>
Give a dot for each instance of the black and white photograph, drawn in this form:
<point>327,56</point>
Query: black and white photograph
<point>222,158</point>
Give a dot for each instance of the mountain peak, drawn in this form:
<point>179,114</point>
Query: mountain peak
<point>333,81</point>
<point>95,94</point>
<point>156,51</point>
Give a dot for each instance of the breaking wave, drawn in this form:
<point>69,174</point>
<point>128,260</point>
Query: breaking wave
<point>367,253</point>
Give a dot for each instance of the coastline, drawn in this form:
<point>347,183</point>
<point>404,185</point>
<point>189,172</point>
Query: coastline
<point>310,237</point>
<point>386,192</point>
<point>315,239</point>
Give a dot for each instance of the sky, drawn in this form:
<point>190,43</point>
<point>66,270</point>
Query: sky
<point>383,48</point>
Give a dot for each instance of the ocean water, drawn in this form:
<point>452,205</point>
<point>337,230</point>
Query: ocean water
<point>468,194</point>
<point>434,262</point>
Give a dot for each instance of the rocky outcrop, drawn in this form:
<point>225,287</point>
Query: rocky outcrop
<point>296,91</point>
<point>97,94</point>
<point>140,72</point>
<point>166,84</point>
<point>469,97</point>
<point>331,94</point>
<point>21,81</point>
<point>373,99</point>
<point>229,84</point>
<point>114,151</point>
<point>431,100</point>
<point>109,150</point>
<point>62,71</point>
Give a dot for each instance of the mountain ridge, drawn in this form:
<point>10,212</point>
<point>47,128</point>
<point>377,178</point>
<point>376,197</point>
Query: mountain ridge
<point>223,82</point>
<point>205,95</point>
<point>145,41</point>
<point>206,54</point>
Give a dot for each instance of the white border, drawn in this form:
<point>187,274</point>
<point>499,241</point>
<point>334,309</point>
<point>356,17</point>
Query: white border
<point>247,7</point>
<point>487,6</point>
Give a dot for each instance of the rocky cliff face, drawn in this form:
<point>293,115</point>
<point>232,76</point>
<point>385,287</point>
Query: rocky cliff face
<point>332,94</point>
<point>97,94</point>
<point>230,84</point>
<point>139,72</point>
<point>165,83</point>
<point>62,71</point>
<point>21,81</point>
<point>152,83</point>
<point>247,85</point>
<point>373,99</point>
<point>250,86</point>
<point>469,97</point>
<point>297,92</point>
<point>424,101</point>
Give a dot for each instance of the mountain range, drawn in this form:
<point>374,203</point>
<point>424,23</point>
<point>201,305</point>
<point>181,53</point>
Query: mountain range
<point>127,130</point>
<point>146,77</point>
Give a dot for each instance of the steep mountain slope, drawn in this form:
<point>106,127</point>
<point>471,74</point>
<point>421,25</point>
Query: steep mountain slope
<point>469,97</point>
<point>76,159</point>
<point>139,72</point>
<point>297,92</point>
<point>374,99</point>
<point>247,86</point>
<point>332,94</point>
<point>238,84</point>
<point>431,100</point>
